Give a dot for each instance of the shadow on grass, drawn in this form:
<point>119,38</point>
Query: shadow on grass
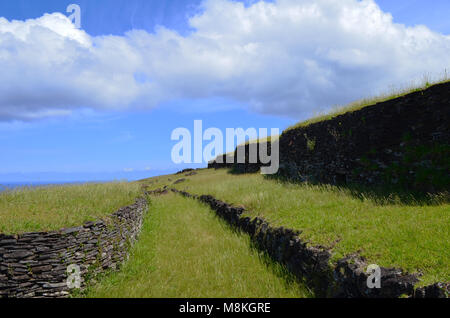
<point>387,195</point>
<point>380,194</point>
<point>281,271</point>
<point>277,268</point>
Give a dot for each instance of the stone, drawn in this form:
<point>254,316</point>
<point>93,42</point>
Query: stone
<point>72,230</point>
<point>8,242</point>
<point>18,254</point>
<point>35,264</point>
<point>40,269</point>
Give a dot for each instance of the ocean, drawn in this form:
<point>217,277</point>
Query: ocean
<point>14,185</point>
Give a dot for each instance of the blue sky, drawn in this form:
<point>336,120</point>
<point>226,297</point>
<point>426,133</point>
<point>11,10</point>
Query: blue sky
<point>109,141</point>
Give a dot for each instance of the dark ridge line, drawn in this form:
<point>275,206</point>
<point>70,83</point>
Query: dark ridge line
<point>401,144</point>
<point>312,264</point>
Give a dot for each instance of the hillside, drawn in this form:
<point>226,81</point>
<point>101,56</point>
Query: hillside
<point>390,233</point>
<point>300,236</point>
<point>365,187</point>
<point>402,142</point>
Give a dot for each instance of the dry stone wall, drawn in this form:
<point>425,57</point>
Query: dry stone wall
<point>231,160</point>
<point>402,142</point>
<point>346,278</point>
<point>35,264</point>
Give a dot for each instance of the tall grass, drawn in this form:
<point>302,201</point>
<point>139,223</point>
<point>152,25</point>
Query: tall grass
<point>394,92</point>
<point>185,251</point>
<point>54,207</point>
<point>412,236</point>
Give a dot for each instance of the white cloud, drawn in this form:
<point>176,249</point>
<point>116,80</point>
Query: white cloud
<point>49,68</point>
<point>287,58</point>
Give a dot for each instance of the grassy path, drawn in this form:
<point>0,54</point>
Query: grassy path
<point>388,232</point>
<point>185,251</point>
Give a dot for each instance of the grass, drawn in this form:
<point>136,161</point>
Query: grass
<point>54,207</point>
<point>267,139</point>
<point>412,236</point>
<point>425,83</point>
<point>338,110</point>
<point>185,251</point>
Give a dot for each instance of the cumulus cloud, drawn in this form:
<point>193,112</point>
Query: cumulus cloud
<point>289,57</point>
<point>49,68</point>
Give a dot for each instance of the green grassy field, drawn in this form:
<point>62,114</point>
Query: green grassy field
<point>55,207</point>
<point>412,236</point>
<point>184,250</point>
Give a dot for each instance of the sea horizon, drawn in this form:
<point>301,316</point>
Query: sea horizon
<point>14,185</point>
<point>15,180</point>
<point>31,184</point>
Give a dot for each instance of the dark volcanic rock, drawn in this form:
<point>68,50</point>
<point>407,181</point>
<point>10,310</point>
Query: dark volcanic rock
<point>35,264</point>
<point>179,181</point>
<point>346,278</point>
<point>404,142</point>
